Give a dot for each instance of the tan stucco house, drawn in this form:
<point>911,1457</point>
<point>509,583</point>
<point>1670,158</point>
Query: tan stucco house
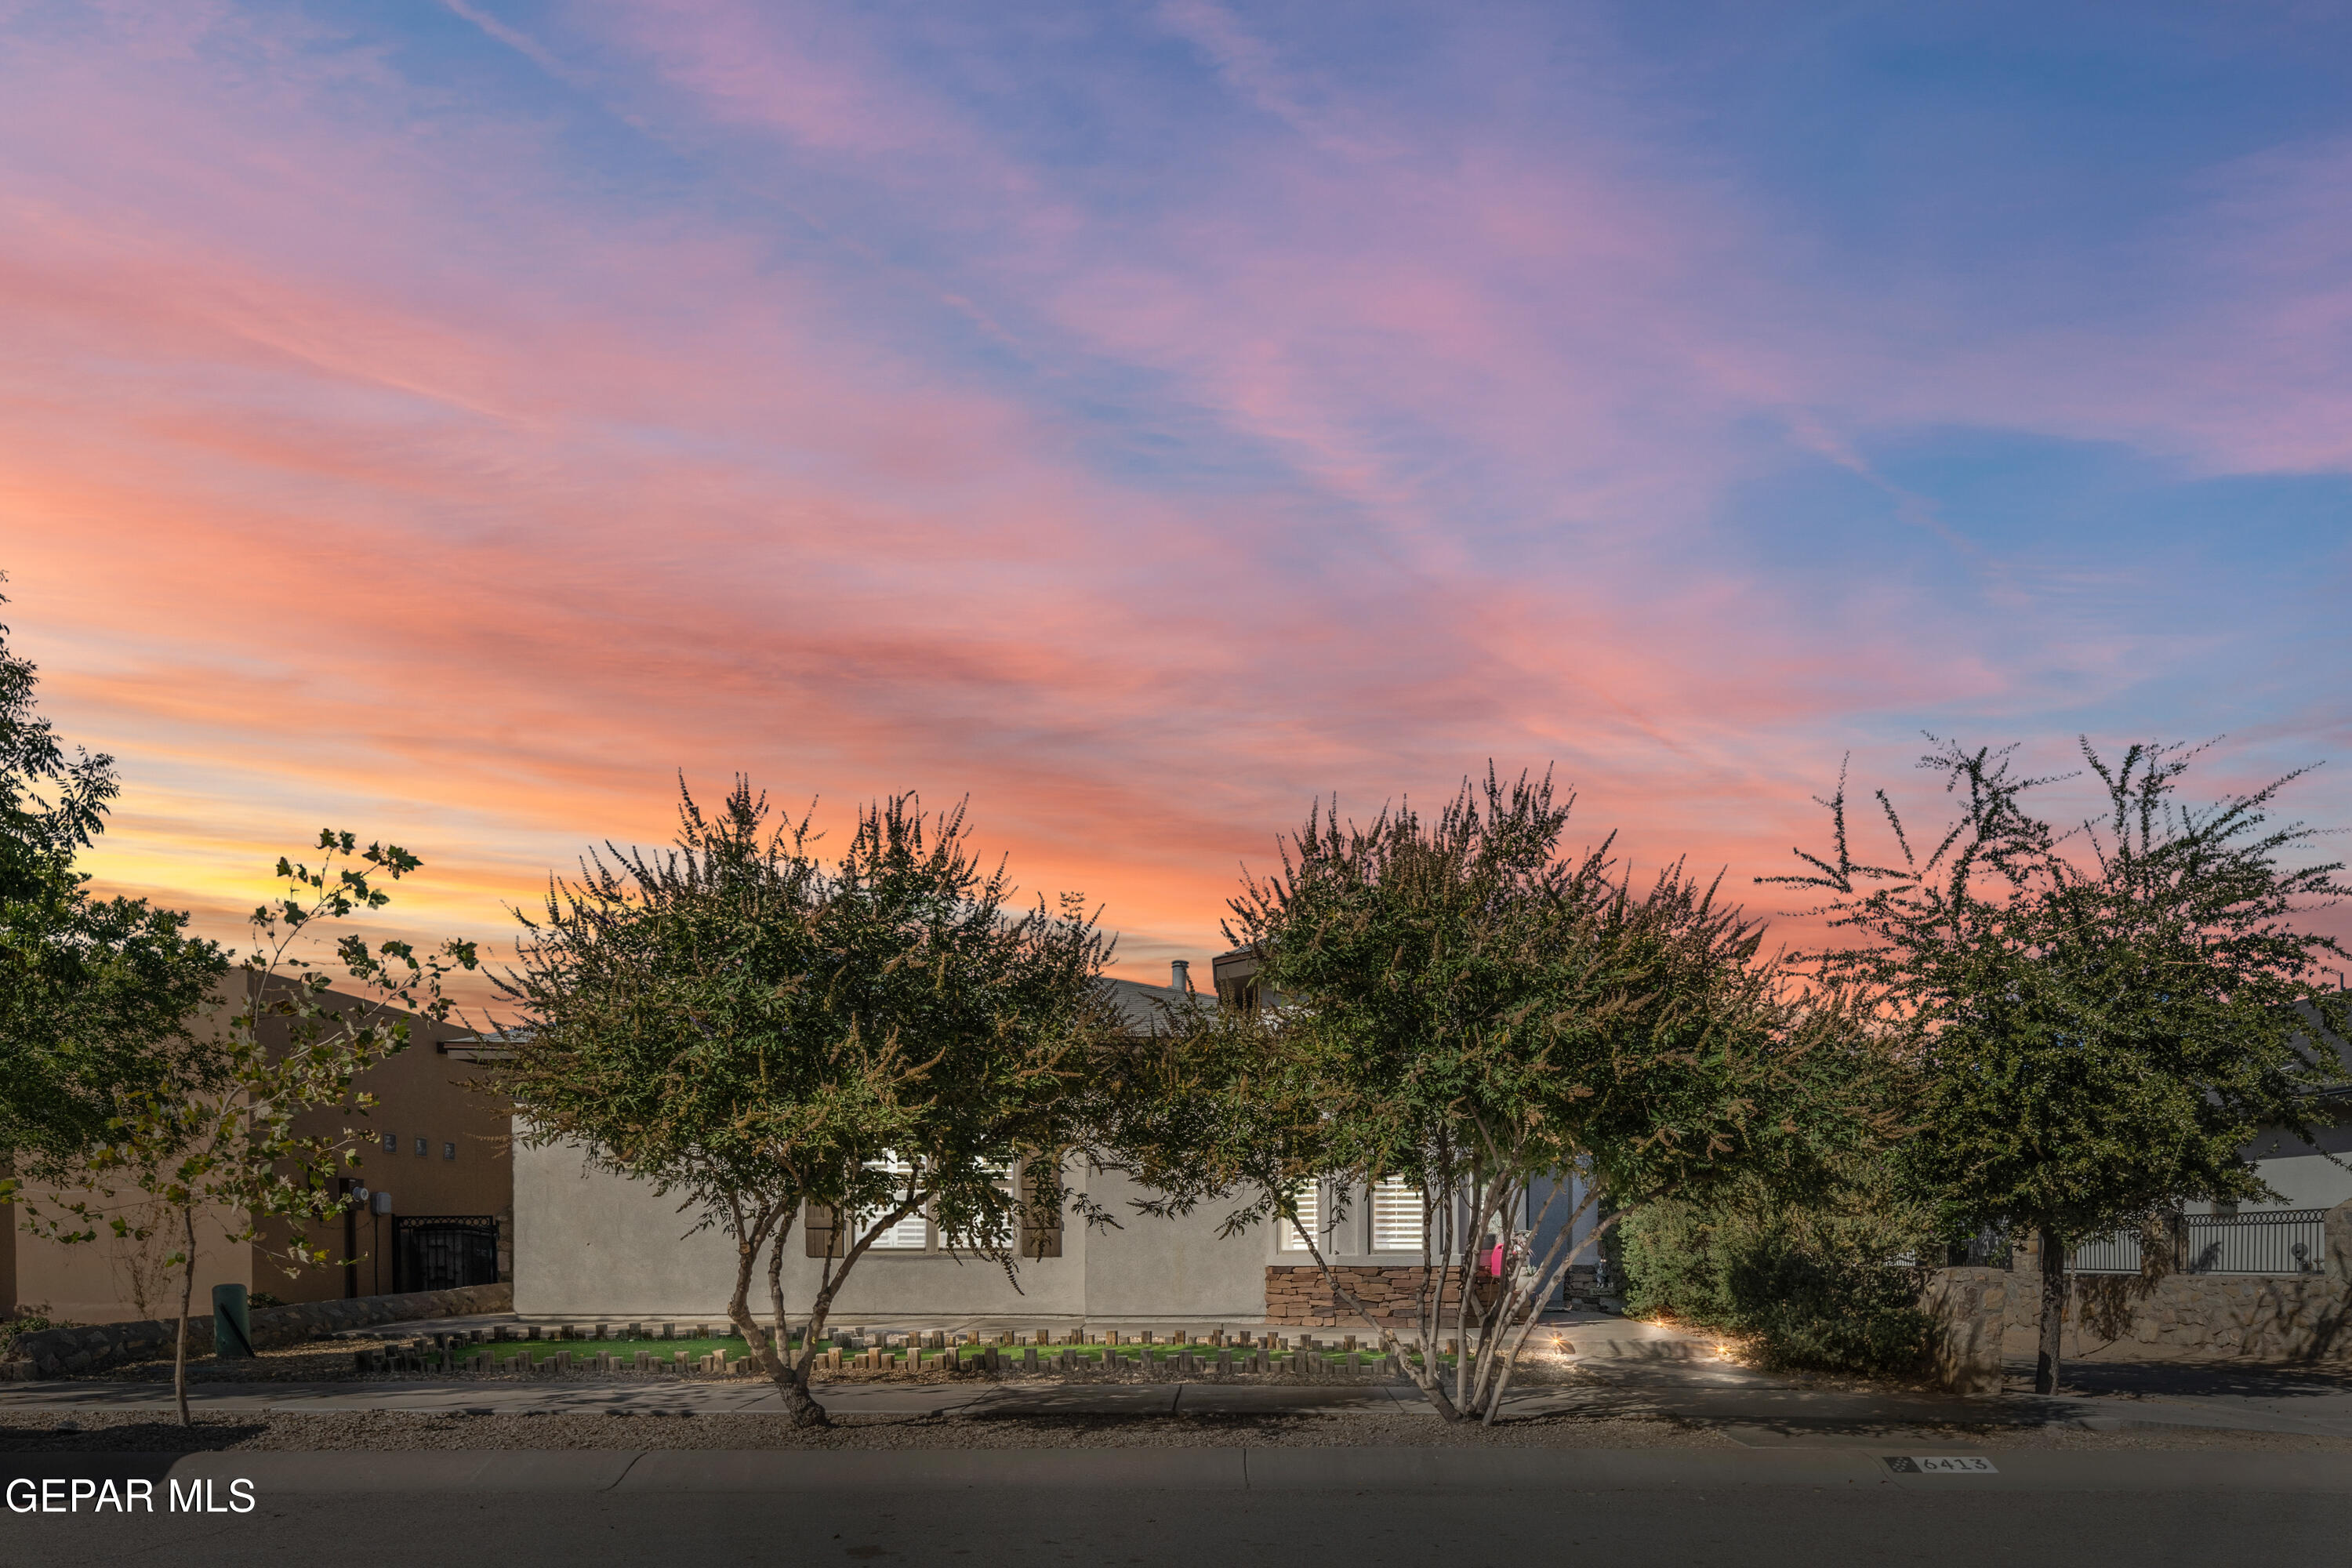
<point>438,1210</point>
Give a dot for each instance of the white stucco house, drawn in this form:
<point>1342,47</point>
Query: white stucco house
<point>2315,1176</point>
<point>589,1244</point>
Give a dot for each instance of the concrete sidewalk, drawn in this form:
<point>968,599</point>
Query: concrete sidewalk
<point>1767,1415</point>
<point>2212,1394</point>
<point>1040,1396</point>
<point>1628,1369</point>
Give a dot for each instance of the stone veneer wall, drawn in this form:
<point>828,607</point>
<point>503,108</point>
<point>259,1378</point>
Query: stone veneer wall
<point>2285,1317</point>
<point>62,1352</point>
<point>2260,1317</point>
<point>1971,1308</point>
<point>1298,1294</point>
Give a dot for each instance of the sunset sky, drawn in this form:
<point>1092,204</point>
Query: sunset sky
<point>450,421</point>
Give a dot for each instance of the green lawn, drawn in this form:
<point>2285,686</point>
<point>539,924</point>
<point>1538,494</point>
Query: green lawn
<point>587,1350</point>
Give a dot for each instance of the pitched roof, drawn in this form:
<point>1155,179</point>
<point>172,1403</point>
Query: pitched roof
<point>1139,1004</point>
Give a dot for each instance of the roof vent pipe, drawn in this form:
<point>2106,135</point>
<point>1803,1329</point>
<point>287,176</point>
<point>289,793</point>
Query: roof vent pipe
<point>1180,976</point>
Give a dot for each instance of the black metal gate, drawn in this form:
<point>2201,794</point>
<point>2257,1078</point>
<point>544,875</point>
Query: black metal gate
<point>444,1252</point>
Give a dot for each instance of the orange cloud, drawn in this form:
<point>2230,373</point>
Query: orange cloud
<point>372,455</point>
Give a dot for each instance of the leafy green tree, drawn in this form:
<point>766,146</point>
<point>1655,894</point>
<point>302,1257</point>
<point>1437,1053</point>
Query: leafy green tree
<point>95,993</point>
<point>1456,1004</point>
<point>764,1033</point>
<point>228,1152</point>
<point>2107,1015</point>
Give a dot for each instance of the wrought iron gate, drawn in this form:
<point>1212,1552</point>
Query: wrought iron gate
<point>444,1252</point>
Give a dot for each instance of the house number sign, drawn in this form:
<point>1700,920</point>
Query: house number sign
<point>1940,1465</point>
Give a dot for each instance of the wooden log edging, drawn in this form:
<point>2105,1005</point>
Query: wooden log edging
<point>924,1355</point>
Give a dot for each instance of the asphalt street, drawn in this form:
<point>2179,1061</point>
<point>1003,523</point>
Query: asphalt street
<point>1823,1476</point>
<point>1715,1521</point>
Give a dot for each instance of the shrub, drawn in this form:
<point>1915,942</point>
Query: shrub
<point>25,1321</point>
<point>1673,1264</point>
<point>1812,1288</point>
<point>1837,1313</point>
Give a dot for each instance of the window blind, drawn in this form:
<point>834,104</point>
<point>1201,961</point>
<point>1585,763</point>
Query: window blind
<point>1397,1217</point>
<point>910,1234</point>
<point>1310,1196</point>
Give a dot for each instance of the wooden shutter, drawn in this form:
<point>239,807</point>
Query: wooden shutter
<point>1041,1214</point>
<point>819,1236</point>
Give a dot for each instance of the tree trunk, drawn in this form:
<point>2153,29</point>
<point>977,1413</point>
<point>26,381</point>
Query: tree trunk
<point>773,1352</point>
<point>1432,1383</point>
<point>1427,1376</point>
<point>793,1376</point>
<point>800,1408</point>
<point>2054,1313</point>
<point>1545,1281</point>
<point>792,1387</point>
<point>777,1315</point>
<point>187,1304</point>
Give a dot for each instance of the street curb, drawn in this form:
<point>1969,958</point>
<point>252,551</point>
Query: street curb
<point>939,1469</point>
<point>1791,1414</point>
<point>417,1470</point>
<point>1381,1471</point>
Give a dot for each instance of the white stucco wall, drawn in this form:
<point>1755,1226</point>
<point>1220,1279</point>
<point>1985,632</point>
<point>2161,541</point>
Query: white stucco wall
<point>589,1244</point>
<point>1171,1268</point>
<point>2307,1181</point>
<point>592,1245</point>
<point>2306,1175</point>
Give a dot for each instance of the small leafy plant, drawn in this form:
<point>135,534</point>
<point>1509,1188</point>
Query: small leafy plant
<point>237,1153</point>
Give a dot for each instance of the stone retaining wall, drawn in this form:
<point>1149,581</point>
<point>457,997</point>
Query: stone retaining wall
<point>64,1352</point>
<point>2259,1317</point>
<point>1982,1313</point>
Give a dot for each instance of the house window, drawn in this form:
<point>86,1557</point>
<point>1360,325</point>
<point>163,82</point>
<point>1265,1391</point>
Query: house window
<point>392,1142</point>
<point>1399,1223</point>
<point>1003,1174</point>
<point>912,1234</point>
<point>1309,1198</point>
<point>424,1146</point>
<point>448,1150</point>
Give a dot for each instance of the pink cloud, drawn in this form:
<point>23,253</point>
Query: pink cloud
<point>374,473</point>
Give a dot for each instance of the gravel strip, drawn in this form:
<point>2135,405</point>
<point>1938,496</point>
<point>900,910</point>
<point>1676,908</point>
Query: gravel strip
<point>23,1432</point>
<point>319,1360</point>
<point>389,1429</point>
<point>2152,1436</point>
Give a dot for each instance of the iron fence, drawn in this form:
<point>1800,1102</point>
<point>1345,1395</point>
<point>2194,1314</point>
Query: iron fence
<point>2266,1241</point>
<point>444,1252</point>
<point>2116,1253</point>
<point>2262,1241</point>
